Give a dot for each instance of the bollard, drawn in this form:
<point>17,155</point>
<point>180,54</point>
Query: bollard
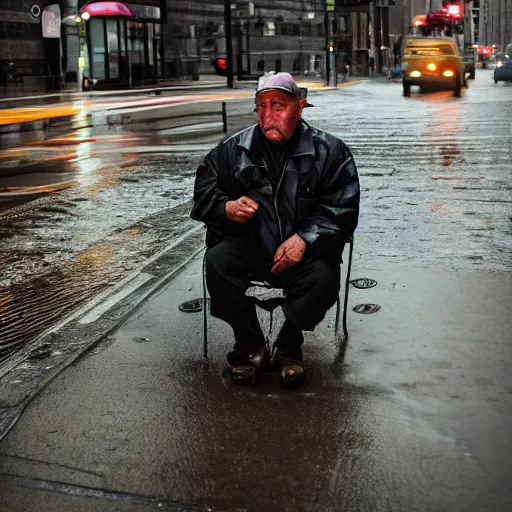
<point>224,117</point>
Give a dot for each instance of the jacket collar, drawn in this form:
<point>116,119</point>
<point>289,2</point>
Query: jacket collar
<point>248,141</point>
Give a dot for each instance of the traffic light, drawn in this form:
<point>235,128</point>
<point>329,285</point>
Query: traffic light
<point>220,65</point>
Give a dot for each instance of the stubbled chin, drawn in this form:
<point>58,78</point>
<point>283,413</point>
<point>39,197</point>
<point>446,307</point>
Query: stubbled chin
<point>274,136</point>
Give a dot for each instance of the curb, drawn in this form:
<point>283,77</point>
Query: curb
<point>120,92</point>
<point>348,84</point>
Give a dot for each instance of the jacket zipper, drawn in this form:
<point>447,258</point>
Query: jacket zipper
<point>275,196</point>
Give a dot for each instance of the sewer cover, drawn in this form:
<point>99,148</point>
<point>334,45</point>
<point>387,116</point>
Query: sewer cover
<point>366,309</point>
<point>363,282</point>
<point>192,306</point>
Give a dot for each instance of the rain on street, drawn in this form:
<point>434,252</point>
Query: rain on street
<point>436,188</point>
<point>426,162</point>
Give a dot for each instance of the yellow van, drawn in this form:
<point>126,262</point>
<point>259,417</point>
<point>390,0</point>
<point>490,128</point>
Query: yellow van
<point>432,62</point>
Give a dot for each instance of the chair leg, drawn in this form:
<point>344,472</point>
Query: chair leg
<point>347,287</point>
<point>337,321</point>
<point>205,312</point>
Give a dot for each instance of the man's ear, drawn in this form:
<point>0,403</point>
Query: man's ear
<point>302,103</point>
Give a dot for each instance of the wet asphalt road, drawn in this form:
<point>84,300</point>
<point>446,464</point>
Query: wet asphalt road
<point>435,174</point>
<point>436,171</point>
<point>82,209</point>
<point>418,415</point>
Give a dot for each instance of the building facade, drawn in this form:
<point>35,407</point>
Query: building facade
<point>181,39</point>
<point>266,35</point>
<point>22,46</point>
<point>494,23</point>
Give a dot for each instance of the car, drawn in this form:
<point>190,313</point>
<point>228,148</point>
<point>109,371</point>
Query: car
<point>503,73</point>
<point>432,62</point>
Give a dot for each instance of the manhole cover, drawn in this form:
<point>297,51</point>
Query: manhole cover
<point>363,282</point>
<point>366,309</point>
<point>192,306</point>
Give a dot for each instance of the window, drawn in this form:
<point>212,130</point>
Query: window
<point>97,28</point>
<point>269,29</point>
<point>14,30</point>
<point>440,49</point>
<point>113,48</point>
<point>343,24</point>
<point>282,29</point>
<point>136,49</point>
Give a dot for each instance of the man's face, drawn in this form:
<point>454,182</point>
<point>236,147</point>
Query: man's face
<point>278,114</point>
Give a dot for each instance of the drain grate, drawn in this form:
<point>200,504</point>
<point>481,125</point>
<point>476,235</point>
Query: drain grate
<point>366,309</point>
<point>192,306</point>
<point>363,283</point>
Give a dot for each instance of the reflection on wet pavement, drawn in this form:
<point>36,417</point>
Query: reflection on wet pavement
<point>31,307</point>
<point>424,162</point>
<point>58,251</point>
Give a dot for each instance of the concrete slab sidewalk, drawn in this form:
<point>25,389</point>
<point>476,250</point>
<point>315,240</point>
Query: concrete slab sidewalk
<point>417,417</point>
<point>25,118</point>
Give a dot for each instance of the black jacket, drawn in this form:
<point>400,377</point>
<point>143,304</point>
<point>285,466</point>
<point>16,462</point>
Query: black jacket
<point>317,197</point>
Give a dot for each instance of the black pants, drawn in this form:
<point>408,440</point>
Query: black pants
<point>311,287</point>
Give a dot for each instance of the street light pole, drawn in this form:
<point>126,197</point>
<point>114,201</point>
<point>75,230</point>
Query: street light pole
<point>80,21</point>
<point>327,56</point>
<point>80,70</point>
<point>247,39</point>
<point>330,64</point>
<point>229,43</point>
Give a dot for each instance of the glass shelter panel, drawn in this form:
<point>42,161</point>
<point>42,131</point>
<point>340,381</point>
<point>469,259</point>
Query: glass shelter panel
<point>113,49</point>
<point>97,48</point>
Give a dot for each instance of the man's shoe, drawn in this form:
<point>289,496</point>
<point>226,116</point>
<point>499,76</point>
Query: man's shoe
<point>290,366</point>
<point>247,359</point>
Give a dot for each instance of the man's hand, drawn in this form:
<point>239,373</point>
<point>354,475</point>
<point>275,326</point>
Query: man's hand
<point>289,253</point>
<point>242,210</point>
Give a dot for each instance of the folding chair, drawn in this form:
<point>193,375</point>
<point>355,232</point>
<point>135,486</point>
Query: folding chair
<point>272,303</point>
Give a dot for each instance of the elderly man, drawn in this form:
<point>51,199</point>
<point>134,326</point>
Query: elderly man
<point>279,200</point>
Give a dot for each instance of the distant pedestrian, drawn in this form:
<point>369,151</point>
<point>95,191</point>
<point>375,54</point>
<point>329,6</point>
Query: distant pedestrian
<point>280,199</point>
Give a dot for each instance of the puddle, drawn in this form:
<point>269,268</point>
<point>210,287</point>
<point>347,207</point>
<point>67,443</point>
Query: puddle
<point>60,251</point>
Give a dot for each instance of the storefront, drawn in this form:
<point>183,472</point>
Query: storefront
<point>28,56</point>
<point>123,41</point>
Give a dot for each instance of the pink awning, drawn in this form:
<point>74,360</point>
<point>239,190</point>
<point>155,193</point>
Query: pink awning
<point>99,9</point>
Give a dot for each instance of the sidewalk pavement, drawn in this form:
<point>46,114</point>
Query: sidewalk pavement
<point>206,82</point>
<point>417,416</point>
<point>76,104</point>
